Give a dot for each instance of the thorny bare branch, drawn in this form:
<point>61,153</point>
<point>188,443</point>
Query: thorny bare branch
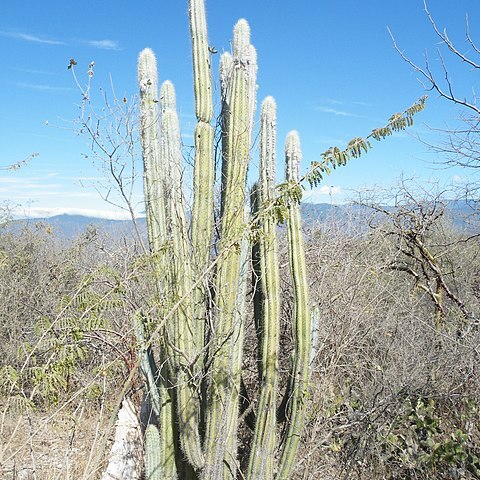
<point>427,73</point>
<point>412,224</point>
<point>469,38</point>
<point>112,133</point>
<point>444,38</point>
<point>462,145</point>
<point>446,91</point>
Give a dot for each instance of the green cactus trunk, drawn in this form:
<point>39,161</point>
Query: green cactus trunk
<point>153,462</point>
<point>154,182</point>
<point>196,403</point>
<point>264,440</point>
<point>301,314</point>
<point>222,413</point>
<point>150,142</point>
<point>182,332</point>
<point>204,165</point>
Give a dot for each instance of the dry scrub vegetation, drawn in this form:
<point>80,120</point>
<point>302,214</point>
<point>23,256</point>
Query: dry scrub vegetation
<point>394,391</point>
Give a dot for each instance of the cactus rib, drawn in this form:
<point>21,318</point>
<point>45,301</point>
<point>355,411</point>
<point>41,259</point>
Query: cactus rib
<point>264,440</point>
<point>222,415</point>
<point>301,314</point>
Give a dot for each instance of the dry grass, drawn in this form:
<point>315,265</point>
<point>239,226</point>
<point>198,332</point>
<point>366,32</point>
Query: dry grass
<point>49,446</point>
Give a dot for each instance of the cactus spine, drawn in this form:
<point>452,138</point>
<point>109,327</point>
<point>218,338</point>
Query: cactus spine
<point>197,433</point>
<point>264,441</point>
<point>222,413</point>
<point>301,313</point>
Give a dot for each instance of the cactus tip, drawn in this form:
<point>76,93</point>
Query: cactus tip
<point>269,103</point>
<point>241,38</point>
<point>167,95</point>
<point>293,141</point>
<point>226,58</point>
<point>147,67</point>
<point>252,54</point>
<point>293,153</point>
<point>242,26</point>
<point>147,52</point>
<point>226,63</point>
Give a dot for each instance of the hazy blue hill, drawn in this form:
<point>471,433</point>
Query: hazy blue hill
<point>464,214</point>
<point>461,213</point>
<point>70,226</point>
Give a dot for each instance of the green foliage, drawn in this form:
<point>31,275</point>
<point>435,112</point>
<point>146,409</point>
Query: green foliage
<point>51,360</point>
<point>62,304</point>
<point>423,438</point>
<point>94,392</point>
<point>288,193</point>
<point>9,380</point>
<point>335,157</point>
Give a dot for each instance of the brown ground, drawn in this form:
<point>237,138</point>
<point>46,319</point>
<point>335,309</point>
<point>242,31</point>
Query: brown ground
<point>41,446</point>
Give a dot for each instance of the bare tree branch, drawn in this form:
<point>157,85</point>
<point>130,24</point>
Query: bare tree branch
<point>448,91</point>
<point>444,38</point>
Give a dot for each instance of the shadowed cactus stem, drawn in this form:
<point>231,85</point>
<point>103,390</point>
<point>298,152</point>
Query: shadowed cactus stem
<point>314,334</point>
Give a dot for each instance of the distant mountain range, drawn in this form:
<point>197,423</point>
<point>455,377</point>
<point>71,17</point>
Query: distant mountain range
<point>70,226</point>
<point>459,211</point>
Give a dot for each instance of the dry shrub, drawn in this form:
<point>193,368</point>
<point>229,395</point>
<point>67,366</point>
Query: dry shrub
<point>393,395</point>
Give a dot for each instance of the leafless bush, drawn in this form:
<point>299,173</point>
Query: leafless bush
<point>392,390</point>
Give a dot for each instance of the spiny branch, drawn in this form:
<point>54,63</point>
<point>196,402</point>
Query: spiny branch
<point>444,38</point>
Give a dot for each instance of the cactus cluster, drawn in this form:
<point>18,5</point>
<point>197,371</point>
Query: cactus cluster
<point>197,393</point>
<point>195,381</point>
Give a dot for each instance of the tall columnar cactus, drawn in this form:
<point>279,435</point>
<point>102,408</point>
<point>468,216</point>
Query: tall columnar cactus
<point>182,338</point>
<point>204,166</point>
<point>222,412</point>
<point>150,141</point>
<point>195,392</point>
<point>264,440</point>
<point>301,313</point>
<point>154,183</point>
<point>196,403</point>
<point>201,314</point>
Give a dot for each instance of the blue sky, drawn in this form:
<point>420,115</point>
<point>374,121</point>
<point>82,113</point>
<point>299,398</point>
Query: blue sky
<point>329,64</point>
